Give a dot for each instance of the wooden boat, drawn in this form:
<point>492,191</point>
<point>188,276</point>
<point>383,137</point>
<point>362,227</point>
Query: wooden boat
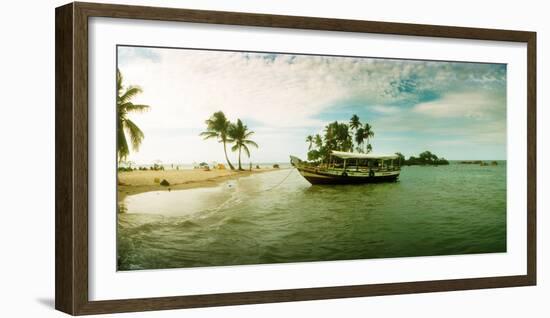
<point>350,168</point>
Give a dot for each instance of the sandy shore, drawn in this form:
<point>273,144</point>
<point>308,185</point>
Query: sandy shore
<point>143,181</point>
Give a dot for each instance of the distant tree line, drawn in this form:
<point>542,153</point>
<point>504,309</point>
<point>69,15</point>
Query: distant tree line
<point>128,167</point>
<point>425,158</point>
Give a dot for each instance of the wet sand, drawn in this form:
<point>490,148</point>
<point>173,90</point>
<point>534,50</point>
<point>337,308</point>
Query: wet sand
<point>134,182</point>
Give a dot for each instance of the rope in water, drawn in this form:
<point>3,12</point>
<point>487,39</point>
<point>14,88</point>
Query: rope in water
<point>278,184</point>
<point>219,207</point>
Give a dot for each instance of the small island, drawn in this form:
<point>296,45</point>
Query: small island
<point>478,162</point>
<point>425,158</point>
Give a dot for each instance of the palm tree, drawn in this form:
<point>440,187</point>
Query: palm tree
<point>361,134</point>
<point>309,139</point>
<point>239,134</point>
<point>344,138</point>
<point>217,126</point>
<point>368,134</point>
<point>318,141</point>
<point>330,136</point>
<point>354,122</point>
<point>360,138</point>
<point>337,137</point>
<point>125,126</point>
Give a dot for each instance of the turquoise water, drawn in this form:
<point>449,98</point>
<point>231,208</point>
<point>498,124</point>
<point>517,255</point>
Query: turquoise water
<point>445,210</point>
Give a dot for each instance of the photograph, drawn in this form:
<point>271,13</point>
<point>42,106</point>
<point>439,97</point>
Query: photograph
<point>229,158</point>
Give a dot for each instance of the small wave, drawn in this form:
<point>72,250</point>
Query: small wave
<point>235,220</point>
<point>185,224</point>
<point>144,228</point>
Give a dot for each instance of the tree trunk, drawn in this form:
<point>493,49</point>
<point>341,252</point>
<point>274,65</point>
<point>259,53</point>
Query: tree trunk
<point>226,158</point>
<point>240,168</point>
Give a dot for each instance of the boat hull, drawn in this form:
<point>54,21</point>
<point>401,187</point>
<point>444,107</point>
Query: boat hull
<point>320,177</point>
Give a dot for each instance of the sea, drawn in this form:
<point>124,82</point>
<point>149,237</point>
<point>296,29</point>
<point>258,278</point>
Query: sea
<point>278,217</point>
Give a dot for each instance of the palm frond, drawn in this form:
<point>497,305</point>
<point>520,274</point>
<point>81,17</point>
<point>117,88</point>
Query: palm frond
<point>354,122</point>
<point>122,144</point>
<point>126,126</point>
<point>136,135</point>
<point>359,136</point>
<point>119,80</point>
<point>250,142</point>
<point>248,134</point>
<point>130,107</point>
<point>130,93</point>
<point>209,134</point>
<point>218,122</point>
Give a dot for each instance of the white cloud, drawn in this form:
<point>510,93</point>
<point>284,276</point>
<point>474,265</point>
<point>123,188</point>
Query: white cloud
<point>475,105</point>
<point>282,97</point>
<point>383,109</point>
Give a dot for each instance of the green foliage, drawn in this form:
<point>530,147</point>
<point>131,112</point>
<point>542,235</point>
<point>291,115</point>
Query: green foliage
<point>217,126</point>
<point>401,158</point>
<point>339,136</point>
<point>125,169</point>
<point>309,139</point>
<point>318,141</point>
<point>126,127</point>
<point>313,155</point>
<point>220,128</point>
<point>156,167</point>
<point>239,134</point>
<point>354,122</point>
<point>425,158</point>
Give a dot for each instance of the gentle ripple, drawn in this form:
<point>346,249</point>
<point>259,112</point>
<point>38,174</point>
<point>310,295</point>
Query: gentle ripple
<point>455,209</point>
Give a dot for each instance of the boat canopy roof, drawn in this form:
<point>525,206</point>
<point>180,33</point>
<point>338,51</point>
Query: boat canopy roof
<point>356,155</point>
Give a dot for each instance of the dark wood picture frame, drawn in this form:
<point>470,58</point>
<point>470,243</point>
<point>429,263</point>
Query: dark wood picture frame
<point>71,154</point>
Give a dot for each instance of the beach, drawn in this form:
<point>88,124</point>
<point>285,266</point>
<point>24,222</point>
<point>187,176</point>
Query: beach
<point>133,182</point>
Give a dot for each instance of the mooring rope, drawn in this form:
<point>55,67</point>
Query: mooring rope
<point>278,184</point>
<point>223,204</point>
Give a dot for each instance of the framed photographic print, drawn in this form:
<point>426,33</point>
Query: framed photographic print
<point>219,158</point>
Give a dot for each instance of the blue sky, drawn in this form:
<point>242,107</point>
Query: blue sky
<point>456,110</point>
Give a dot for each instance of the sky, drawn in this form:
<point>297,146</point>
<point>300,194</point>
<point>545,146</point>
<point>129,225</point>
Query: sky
<point>456,110</point>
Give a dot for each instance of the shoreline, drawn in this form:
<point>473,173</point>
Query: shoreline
<point>135,182</point>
